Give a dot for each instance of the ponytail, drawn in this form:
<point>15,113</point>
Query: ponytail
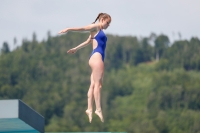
<point>98,17</point>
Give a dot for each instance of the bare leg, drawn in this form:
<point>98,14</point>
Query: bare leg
<point>90,99</point>
<point>97,66</point>
<point>97,76</point>
<point>97,95</point>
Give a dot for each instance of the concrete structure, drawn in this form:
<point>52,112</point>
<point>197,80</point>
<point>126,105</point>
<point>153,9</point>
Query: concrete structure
<point>17,117</point>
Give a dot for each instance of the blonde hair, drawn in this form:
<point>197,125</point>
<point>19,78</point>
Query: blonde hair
<point>102,15</point>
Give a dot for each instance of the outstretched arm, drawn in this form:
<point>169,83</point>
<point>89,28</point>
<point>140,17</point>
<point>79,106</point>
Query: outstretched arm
<point>73,50</point>
<point>90,27</point>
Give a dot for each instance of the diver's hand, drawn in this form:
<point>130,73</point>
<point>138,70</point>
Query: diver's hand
<point>72,51</point>
<point>63,31</point>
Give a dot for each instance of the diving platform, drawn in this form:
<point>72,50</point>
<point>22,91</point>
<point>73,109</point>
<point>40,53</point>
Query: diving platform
<point>17,117</point>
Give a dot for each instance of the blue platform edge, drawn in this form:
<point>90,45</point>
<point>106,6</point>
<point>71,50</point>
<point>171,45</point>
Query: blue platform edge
<point>17,117</point>
<point>85,132</point>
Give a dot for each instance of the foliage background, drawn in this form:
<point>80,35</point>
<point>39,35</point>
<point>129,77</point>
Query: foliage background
<point>150,85</point>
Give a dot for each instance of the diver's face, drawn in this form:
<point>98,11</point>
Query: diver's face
<point>106,22</point>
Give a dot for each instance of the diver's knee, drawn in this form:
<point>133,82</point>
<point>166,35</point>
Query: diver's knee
<point>98,85</point>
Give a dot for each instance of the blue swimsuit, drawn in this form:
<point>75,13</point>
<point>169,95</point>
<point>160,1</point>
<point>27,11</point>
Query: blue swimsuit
<point>101,43</point>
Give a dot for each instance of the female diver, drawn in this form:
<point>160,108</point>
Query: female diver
<point>96,60</point>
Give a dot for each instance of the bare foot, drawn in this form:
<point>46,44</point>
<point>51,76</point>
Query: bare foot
<point>99,113</point>
<point>89,113</point>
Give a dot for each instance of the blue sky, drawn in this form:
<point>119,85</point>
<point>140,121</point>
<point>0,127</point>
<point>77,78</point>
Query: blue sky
<point>20,18</point>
